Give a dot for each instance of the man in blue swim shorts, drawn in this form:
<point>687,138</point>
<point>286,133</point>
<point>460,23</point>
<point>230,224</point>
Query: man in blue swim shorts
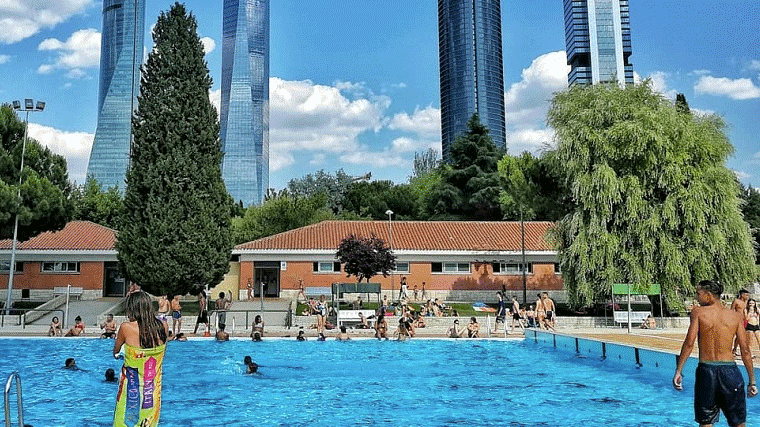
<point>718,382</point>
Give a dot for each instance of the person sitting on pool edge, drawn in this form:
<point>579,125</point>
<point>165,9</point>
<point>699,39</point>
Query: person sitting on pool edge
<point>301,336</point>
<point>718,382</point>
<point>454,331</point>
<point>221,335</point>
<point>109,327</point>
<point>473,328</point>
<point>343,335</point>
<point>78,328</point>
<point>250,366</point>
<point>55,328</point>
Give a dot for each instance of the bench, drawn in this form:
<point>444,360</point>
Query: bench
<point>72,291</point>
<point>636,316</point>
<point>353,316</point>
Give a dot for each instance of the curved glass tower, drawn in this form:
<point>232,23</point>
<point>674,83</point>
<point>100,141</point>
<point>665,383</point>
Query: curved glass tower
<point>598,41</point>
<point>245,99</point>
<point>121,54</point>
<point>472,69</point>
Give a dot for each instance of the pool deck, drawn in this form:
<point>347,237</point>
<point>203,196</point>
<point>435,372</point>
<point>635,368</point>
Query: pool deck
<point>667,340</point>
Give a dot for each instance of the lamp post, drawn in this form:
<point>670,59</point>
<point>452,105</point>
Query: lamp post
<point>29,107</point>
<point>524,266</point>
<point>390,228</point>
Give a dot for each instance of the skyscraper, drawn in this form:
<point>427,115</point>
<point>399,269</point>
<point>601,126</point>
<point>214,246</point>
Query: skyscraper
<point>472,70</point>
<point>245,99</point>
<point>598,39</point>
<point>121,54</point>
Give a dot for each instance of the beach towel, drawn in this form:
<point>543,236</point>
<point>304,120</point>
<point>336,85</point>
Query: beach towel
<point>138,403</point>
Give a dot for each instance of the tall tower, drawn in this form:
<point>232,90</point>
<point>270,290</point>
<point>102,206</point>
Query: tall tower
<point>598,39</point>
<point>121,54</point>
<point>245,99</point>
<point>472,70</point>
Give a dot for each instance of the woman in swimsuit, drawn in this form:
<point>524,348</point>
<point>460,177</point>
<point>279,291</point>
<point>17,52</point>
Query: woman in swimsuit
<point>78,328</point>
<point>752,315</point>
<point>258,325</point>
<point>321,314</point>
<point>381,327</point>
<point>55,328</point>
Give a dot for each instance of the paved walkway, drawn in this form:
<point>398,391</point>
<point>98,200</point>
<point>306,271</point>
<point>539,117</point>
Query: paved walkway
<point>669,340</point>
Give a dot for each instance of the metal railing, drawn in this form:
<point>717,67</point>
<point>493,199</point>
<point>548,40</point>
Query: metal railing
<point>19,402</point>
<point>23,312</point>
<point>214,315</point>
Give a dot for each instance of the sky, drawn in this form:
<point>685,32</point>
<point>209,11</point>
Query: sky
<point>354,84</point>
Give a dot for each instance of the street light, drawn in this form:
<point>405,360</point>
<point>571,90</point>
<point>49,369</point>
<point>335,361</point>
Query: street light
<point>29,107</point>
<point>390,227</point>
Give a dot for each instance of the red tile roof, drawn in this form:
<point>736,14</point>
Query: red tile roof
<point>414,235</point>
<point>76,236</point>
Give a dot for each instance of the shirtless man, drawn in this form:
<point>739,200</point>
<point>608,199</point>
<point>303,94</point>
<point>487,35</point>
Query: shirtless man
<point>249,286</point>
<point>221,335</point>
<point>549,310</point>
<point>176,314</point>
<point>740,306</point>
<point>164,306</point>
<point>718,383</point>
<point>540,312</point>
<point>343,335</point>
<point>109,328</point>
<point>516,316</point>
<point>221,308</point>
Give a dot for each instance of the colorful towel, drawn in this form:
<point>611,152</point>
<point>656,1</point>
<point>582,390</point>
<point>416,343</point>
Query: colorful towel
<point>138,403</point>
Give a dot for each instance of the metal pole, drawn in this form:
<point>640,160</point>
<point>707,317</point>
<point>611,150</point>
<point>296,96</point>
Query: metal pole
<point>629,307</point>
<point>524,267</point>
<point>261,297</point>
<point>15,224</point>
<point>66,317</point>
<point>390,227</point>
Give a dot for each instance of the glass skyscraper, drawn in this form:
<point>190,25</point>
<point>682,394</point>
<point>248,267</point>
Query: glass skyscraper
<point>245,99</point>
<point>598,39</point>
<point>121,52</point>
<point>472,69</point>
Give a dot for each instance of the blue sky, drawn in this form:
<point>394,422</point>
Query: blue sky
<point>354,83</point>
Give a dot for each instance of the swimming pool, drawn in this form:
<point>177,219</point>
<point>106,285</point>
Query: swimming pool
<point>363,382</point>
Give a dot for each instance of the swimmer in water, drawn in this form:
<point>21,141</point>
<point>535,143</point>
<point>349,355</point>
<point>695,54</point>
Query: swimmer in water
<point>110,376</point>
<point>71,364</point>
<point>250,366</point>
<point>221,335</point>
<point>301,336</point>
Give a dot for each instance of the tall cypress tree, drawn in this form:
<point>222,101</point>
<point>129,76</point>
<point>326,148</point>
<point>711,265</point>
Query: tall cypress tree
<point>175,233</point>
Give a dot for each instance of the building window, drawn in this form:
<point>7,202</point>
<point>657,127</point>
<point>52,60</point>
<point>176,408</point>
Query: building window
<point>511,268</point>
<point>450,267</point>
<point>326,267</point>
<point>60,267</point>
<point>557,268</point>
<point>5,267</point>
<point>402,267</point>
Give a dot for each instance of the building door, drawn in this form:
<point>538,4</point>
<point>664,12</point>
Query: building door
<point>114,284</point>
<point>268,273</point>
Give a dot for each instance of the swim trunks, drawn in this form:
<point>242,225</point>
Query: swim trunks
<point>752,328</point>
<point>109,334</point>
<point>516,316</point>
<point>203,317</point>
<point>176,314</point>
<point>549,315</point>
<point>719,386</point>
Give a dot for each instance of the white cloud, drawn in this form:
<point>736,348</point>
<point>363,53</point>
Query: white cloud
<point>208,44</point>
<point>741,175</point>
<point>216,98</point>
<point>382,159</point>
<point>738,89</point>
<point>5,59</point>
<point>75,146</point>
<point>318,159</point>
<point>527,101</point>
<point>699,72</point>
<point>399,85</point>
<point>754,65</point>
<point>423,122</point>
<point>81,50</point>
<point>659,84</point>
<point>20,19</point>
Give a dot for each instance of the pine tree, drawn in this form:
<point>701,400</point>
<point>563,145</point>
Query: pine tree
<point>654,200</point>
<point>175,231</point>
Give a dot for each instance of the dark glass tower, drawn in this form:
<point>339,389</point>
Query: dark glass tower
<point>245,99</point>
<point>121,54</point>
<point>598,39</point>
<point>472,70</point>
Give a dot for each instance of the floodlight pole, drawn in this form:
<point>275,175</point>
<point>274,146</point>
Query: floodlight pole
<point>524,266</point>
<point>28,108</point>
<point>390,228</point>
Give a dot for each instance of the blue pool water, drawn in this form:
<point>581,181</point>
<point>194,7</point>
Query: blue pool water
<point>363,382</point>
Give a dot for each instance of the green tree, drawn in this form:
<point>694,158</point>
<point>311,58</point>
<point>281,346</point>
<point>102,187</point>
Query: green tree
<point>365,257</point>
<point>470,182</point>
<point>91,203</point>
<point>531,183</point>
<point>280,213</point>
<point>372,199</point>
<point>655,202</point>
<point>751,211</point>
<point>175,232</point>
<point>426,163</point>
<point>333,186</point>
<point>45,191</point>
<point>681,105</point>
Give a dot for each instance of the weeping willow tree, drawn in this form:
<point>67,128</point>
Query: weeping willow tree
<point>654,200</point>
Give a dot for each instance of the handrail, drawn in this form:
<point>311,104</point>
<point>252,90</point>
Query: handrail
<point>19,402</point>
<point>23,313</point>
<point>288,312</point>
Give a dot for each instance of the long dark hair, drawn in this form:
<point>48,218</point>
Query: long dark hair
<point>757,311</point>
<point>140,308</point>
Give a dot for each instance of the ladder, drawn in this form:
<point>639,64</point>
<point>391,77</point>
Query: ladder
<point>6,400</point>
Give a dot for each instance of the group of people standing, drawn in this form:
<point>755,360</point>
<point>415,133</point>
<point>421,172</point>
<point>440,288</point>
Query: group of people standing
<point>542,314</point>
